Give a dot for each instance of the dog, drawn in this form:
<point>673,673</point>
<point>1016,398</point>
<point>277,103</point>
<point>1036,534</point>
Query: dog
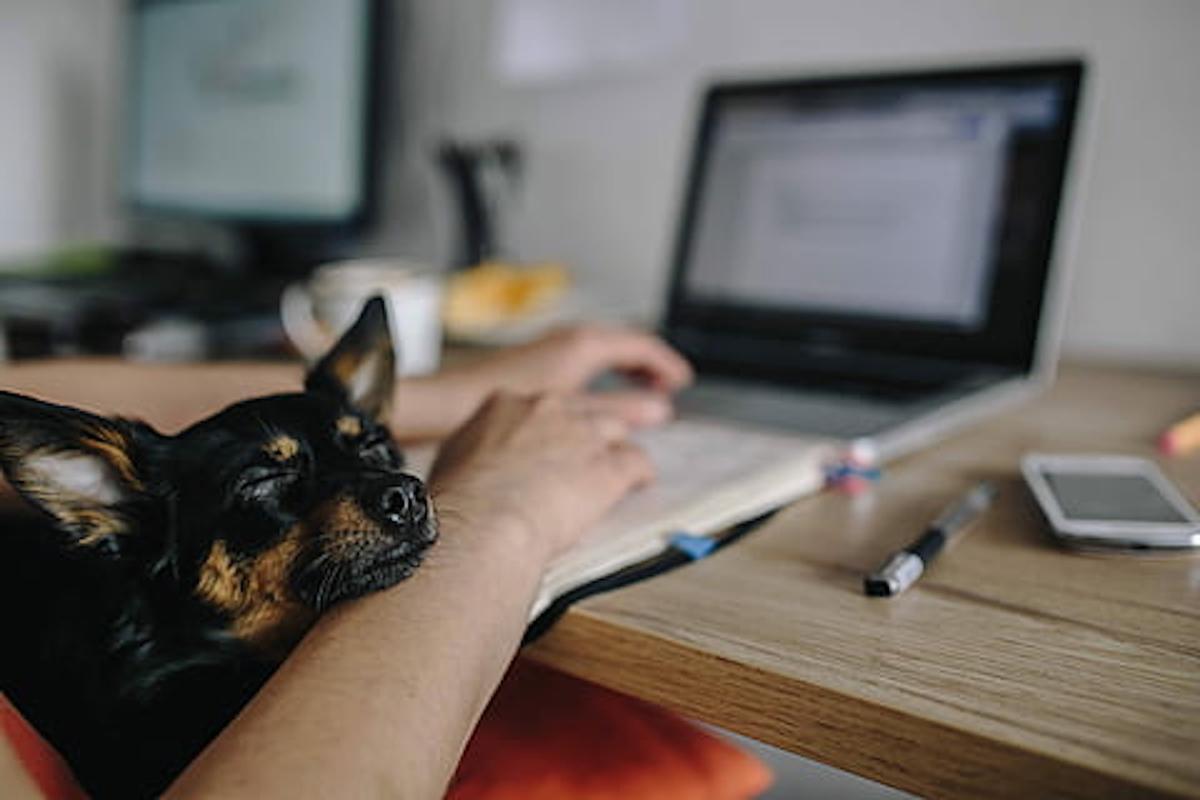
<point>162,579</point>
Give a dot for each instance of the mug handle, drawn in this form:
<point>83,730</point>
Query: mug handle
<point>301,326</point>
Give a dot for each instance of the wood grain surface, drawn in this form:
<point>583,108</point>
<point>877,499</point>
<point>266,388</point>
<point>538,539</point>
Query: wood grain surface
<point>168,396</point>
<point>1014,668</point>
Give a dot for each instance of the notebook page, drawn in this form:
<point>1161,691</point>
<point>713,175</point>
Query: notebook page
<point>709,476</point>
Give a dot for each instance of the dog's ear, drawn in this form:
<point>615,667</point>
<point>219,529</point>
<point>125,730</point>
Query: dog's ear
<point>361,367</point>
<point>78,467</point>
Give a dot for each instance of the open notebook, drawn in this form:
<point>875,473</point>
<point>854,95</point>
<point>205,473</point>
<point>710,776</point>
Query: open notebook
<point>710,476</point>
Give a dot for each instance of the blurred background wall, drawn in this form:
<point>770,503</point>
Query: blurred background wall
<point>59,86</point>
<point>606,144</point>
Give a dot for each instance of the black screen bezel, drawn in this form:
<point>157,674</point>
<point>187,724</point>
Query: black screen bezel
<point>748,340</point>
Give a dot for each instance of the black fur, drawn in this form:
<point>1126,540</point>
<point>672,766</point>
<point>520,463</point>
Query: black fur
<point>124,646</point>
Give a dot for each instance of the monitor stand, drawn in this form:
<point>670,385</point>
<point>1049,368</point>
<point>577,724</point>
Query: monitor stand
<point>277,252</point>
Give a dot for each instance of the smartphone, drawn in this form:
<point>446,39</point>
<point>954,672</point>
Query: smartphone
<point>1113,502</point>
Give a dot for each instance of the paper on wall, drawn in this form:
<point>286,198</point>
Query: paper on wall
<point>549,41</point>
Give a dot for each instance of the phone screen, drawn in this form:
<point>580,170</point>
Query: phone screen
<point>1123,498</point>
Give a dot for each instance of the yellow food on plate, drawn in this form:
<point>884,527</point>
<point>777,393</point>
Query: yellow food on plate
<point>495,294</point>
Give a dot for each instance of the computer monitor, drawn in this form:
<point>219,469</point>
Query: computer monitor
<point>254,113</point>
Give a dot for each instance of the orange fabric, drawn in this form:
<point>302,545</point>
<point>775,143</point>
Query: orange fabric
<point>51,774</point>
<point>547,735</point>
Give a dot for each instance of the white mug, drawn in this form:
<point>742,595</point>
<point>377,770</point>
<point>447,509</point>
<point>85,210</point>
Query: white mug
<point>316,313</point>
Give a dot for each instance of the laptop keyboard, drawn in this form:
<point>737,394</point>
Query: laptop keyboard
<point>821,411</point>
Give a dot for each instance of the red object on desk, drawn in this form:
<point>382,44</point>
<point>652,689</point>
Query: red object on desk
<point>1181,438</point>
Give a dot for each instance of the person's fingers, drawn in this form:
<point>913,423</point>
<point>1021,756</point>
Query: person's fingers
<point>629,466</point>
<point>637,353</point>
<point>638,408</point>
<point>612,429</point>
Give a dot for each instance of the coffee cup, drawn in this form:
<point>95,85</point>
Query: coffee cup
<point>316,312</point>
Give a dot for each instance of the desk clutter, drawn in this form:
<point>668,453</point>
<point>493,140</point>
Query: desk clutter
<point>139,304</point>
<point>165,307</point>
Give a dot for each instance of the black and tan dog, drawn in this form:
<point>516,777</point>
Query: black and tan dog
<point>168,575</point>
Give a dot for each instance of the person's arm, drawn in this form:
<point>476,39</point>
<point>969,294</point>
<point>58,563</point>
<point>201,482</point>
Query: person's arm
<point>429,407</point>
<point>378,700</point>
<point>15,782</point>
<point>380,697</point>
<point>565,360</point>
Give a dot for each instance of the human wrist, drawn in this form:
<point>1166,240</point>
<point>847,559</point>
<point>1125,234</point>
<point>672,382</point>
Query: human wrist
<point>504,535</point>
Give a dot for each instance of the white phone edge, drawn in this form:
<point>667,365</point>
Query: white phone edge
<point>1112,534</point>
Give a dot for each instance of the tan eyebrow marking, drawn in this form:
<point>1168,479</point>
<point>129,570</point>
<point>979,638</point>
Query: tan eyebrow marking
<point>349,426</point>
<point>282,448</point>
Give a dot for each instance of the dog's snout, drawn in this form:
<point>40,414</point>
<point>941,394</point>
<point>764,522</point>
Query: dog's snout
<point>401,502</point>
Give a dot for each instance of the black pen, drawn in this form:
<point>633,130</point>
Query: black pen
<point>903,568</point>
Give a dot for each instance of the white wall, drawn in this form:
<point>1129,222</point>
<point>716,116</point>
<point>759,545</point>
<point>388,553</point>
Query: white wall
<point>58,87</point>
<point>606,153</point>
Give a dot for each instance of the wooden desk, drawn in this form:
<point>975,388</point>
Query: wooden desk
<point>1012,669</point>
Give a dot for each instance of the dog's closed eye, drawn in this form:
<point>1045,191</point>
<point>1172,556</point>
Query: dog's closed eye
<point>262,482</point>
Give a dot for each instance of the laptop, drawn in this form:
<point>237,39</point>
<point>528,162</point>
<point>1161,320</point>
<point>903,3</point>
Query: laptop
<point>868,258</point>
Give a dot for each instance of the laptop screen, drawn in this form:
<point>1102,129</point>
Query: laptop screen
<point>903,214</point>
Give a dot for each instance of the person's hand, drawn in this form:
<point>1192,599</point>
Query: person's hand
<point>568,359</point>
<point>565,361</point>
<point>545,467</point>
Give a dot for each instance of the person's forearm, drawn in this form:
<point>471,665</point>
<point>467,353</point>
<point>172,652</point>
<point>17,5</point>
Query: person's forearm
<point>167,396</point>
<point>170,396</point>
<point>380,697</point>
<point>430,407</point>
<point>15,782</point>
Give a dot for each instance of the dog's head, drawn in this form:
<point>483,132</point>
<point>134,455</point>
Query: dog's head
<point>266,513</point>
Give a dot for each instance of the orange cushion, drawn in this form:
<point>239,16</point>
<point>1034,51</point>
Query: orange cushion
<point>548,735</point>
<point>544,735</point>
<point>43,763</point>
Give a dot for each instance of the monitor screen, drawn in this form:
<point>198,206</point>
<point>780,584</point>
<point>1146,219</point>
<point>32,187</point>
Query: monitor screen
<point>249,109</point>
<point>886,205</point>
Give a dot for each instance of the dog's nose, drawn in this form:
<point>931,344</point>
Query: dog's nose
<point>403,502</point>
<point>394,503</point>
